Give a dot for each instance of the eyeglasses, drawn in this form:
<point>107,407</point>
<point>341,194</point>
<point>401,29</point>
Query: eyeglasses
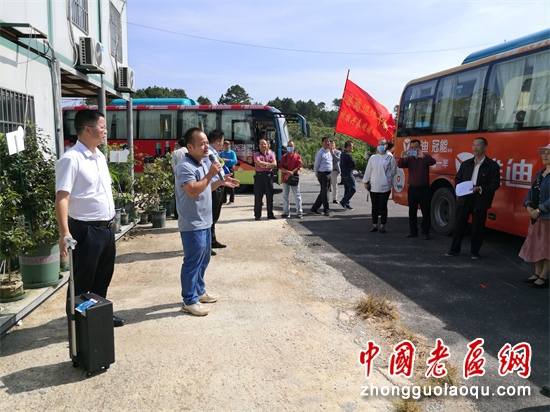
<point>100,127</point>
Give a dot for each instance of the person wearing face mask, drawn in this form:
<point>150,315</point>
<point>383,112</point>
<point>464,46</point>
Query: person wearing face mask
<point>323,169</point>
<point>290,165</point>
<point>379,174</point>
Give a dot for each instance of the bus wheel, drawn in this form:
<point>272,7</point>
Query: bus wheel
<point>443,207</point>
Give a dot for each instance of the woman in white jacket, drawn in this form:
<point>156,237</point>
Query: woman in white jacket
<point>378,177</point>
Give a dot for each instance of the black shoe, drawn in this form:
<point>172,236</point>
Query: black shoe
<point>256,218</point>
<point>451,253</point>
<point>335,201</point>
<point>412,235</point>
<point>426,236</point>
<point>544,283</point>
<point>316,211</point>
<point>284,215</point>
<point>218,245</point>
<point>531,279</point>
<point>118,322</point>
<point>348,207</point>
<point>212,253</point>
<point>374,229</point>
<point>326,213</point>
<point>272,217</point>
<point>382,230</point>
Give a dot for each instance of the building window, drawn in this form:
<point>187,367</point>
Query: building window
<point>14,109</point>
<point>79,14</point>
<point>115,28</point>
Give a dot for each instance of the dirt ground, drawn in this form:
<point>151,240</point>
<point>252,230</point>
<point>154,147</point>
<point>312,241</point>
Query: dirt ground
<point>283,335</point>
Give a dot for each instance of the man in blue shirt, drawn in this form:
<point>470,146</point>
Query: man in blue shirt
<point>194,187</point>
<point>230,158</point>
<point>323,169</point>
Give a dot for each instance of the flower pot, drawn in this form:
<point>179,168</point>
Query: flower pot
<point>123,218</point>
<point>143,218</point>
<point>169,206</point>
<point>158,218</point>
<point>41,268</point>
<point>11,291</point>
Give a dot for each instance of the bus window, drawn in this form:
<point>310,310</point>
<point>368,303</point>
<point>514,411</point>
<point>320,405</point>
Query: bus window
<point>458,103</point>
<point>518,93</point>
<point>206,121</point>
<point>416,112</point>
<point>116,125</point>
<point>157,124</point>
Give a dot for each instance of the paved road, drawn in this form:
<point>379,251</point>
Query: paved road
<point>453,298</point>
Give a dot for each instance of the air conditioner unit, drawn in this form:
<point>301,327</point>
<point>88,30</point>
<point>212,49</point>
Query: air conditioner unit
<point>125,80</point>
<point>91,55</point>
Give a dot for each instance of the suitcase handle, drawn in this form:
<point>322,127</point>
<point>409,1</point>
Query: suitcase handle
<point>71,244</point>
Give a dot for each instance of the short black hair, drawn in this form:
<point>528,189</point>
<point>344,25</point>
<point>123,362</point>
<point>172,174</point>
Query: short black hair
<point>415,141</point>
<point>215,135</point>
<point>484,140</point>
<point>348,143</point>
<point>188,136</point>
<point>85,118</point>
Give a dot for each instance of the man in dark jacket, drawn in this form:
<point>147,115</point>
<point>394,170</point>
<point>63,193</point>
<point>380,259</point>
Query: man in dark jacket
<point>484,173</point>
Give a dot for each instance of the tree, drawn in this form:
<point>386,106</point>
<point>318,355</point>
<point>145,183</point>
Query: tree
<point>235,95</point>
<point>155,91</point>
<point>336,103</point>
<point>203,100</point>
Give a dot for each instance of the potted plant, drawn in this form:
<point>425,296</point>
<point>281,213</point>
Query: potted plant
<point>28,227</point>
<point>154,185</point>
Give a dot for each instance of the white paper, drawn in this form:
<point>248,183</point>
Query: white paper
<point>464,188</point>
<point>16,143</point>
<point>120,156</point>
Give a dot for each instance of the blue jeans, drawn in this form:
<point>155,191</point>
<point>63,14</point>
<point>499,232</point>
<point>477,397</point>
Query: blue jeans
<point>197,245</point>
<point>286,199</point>
<point>349,189</point>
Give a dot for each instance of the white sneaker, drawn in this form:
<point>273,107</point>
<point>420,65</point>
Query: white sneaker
<point>207,298</point>
<point>195,309</point>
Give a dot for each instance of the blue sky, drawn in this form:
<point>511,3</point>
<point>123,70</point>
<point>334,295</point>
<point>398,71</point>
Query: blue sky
<point>303,49</point>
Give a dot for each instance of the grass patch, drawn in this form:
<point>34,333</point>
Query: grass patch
<point>407,405</point>
<point>374,307</point>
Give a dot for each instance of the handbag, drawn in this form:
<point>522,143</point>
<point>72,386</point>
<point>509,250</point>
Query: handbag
<point>292,180</point>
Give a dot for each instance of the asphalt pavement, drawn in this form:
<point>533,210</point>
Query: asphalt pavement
<point>456,299</point>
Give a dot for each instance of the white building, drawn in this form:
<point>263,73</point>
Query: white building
<point>54,49</point>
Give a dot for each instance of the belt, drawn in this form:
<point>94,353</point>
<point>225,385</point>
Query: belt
<point>264,173</point>
<point>99,223</point>
<point>326,172</point>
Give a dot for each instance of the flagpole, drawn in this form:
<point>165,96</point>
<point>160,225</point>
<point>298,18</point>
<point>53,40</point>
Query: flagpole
<point>340,108</point>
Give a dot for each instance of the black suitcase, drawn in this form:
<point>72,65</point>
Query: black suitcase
<point>91,331</point>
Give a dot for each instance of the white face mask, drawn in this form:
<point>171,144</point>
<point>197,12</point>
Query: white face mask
<point>381,149</point>
<point>290,149</point>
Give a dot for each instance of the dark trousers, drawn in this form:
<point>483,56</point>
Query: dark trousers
<point>349,189</point>
<point>322,199</point>
<point>217,202</point>
<point>229,191</point>
<point>380,207</point>
<point>263,184</point>
<point>419,195</point>
<point>479,216</point>
<point>93,257</point>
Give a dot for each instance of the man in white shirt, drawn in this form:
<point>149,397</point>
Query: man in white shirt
<point>85,209</point>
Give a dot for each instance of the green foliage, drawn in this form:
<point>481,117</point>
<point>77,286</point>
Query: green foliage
<point>235,95</point>
<point>155,91</point>
<point>154,185</point>
<point>203,100</point>
<point>123,184</point>
<point>27,187</point>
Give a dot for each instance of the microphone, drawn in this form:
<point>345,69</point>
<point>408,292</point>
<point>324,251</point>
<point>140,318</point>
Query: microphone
<point>214,160</point>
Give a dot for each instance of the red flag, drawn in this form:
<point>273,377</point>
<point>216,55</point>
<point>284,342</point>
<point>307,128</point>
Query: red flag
<point>362,117</point>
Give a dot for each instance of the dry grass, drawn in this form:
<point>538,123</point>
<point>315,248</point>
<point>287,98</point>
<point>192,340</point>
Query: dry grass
<point>407,405</point>
<point>373,307</point>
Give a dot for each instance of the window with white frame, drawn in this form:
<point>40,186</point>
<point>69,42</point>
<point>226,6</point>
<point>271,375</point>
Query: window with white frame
<point>115,29</point>
<point>79,14</point>
<point>14,109</point>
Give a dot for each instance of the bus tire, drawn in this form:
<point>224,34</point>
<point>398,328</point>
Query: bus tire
<point>443,208</point>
